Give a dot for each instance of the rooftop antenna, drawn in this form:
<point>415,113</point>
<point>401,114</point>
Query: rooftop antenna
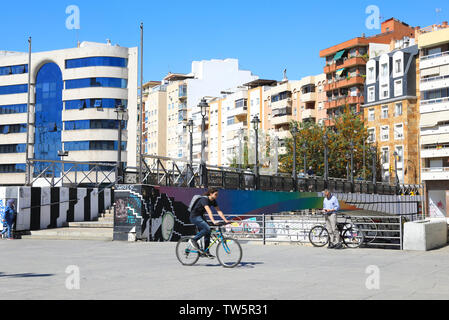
<point>285,76</point>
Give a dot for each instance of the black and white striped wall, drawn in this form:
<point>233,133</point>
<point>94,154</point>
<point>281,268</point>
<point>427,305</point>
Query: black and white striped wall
<point>49,208</point>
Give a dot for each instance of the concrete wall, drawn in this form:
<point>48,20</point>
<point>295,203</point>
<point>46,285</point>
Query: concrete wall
<point>48,208</point>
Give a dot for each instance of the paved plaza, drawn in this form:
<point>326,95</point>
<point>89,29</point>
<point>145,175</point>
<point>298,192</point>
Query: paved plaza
<point>34,269</point>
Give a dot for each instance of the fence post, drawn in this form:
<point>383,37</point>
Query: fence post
<point>264,231</point>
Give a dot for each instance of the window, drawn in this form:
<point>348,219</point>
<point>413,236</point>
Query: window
<point>398,66</point>
<point>384,91</point>
<point>242,103</point>
<point>398,88</point>
<point>96,62</point>
<point>384,70</point>
<point>398,109</point>
<point>385,112</point>
<point>372,135</point>
<point>371,94</point>
<point>371,114</point>
<point>399,131</point>
<point>400,154</point>
<point>385,155</point>
<point>96,82</point>
<point>20,69</point>
<point>371,74</point>
<point>18,108</point>
<point>385,133</point>
<point>231,120</point>
<point>14,89</point>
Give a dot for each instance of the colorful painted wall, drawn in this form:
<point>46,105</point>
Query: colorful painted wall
<point>160,213</point>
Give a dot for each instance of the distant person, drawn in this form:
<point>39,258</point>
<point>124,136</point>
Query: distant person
<point>331,208</point>
<point>8,218</point>
<point>301,174</point>
<point>310,172</point>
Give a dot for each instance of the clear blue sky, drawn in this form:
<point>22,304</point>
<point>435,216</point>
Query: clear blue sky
<point>265,35</point>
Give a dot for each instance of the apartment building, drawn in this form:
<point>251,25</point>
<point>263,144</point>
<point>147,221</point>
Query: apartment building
<point>391,111</point>
<point>183,93</point>
<point>311,98</point>
<point>433,43</point>
<point>74,95</point>
<point>155,113</point>
<point>345,67</point>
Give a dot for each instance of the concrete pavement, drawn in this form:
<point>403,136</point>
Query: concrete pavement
<point>37,269</point>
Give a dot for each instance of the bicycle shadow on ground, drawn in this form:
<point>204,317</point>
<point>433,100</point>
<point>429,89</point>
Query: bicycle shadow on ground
<point>247,265</point>
<point>25,275</point>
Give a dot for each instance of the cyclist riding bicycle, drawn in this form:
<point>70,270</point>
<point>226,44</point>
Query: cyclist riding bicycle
<point>203,205</point>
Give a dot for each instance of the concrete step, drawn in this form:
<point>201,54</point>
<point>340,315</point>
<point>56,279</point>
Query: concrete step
<point>107,219</point>
<point>92,224</point>
<point>100,234</point>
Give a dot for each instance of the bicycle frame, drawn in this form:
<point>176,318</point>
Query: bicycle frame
<point>216,236</point>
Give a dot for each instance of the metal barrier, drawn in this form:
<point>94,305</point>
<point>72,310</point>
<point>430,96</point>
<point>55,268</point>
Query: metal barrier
<point>381,231</point>
<point>182,173</point>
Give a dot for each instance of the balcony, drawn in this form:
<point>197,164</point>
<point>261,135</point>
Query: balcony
<point>435,174</point>
<point>308,97</point>
<point>434,60</point>
<point>283,119</point>
<point>282,103</point>
<point>434,83</point>
<point>348,63</point>
<point>344,83</point>
<point>308,113</point>
<point>343,100</point>
<point>434,105</point>
<point>435,153</point>
<point>283,134</point>
<point>238,111</point>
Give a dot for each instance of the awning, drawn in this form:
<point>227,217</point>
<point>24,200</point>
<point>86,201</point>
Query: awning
<point>339,72</point>
<point>339,55</point>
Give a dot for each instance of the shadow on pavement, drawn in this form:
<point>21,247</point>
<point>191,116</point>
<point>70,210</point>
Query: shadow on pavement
<point>248,265</point>
<point>24,275</point>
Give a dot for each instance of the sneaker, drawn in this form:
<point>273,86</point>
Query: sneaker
<point>208,255</point>
<point>338,246</point>
<point>194,244</point>
<point>331,246</point>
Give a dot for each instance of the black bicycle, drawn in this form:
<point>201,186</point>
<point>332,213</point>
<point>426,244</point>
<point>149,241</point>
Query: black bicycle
<point>228,251</point>
<point>352,235</point>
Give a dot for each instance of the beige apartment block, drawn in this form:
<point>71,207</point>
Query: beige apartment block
<point>155,111</point>
<point>433,43</point>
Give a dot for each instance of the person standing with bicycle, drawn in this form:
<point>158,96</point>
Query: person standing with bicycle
<point>203,205</point>
<point>331,208</point>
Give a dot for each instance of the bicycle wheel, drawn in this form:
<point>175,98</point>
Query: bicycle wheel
<point>319,236</point>
<point>229,253</point>
<point>186,253</point>
<point>353,238</point>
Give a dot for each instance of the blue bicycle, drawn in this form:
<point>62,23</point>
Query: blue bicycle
<point>228,251</point>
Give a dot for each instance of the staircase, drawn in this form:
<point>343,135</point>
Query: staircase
<point>100,230</point>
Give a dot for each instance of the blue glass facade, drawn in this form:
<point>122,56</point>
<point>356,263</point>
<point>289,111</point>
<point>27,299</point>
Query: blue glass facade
<point>96,82</point>
<point>49,86</point>
<point>13,128</point>
<point>12,168</point>
<point>17,108</point>
<point>18,88</point>
<point>20,69</point>
<point>95,103</point>
<point>13,148</point>
<point>93,145</point>
<point>96,62</point>
<point>92,124</point>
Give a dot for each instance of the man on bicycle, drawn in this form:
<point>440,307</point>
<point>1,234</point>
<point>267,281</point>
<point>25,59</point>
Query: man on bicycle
<point>331,208</point>
<point>203,205</point>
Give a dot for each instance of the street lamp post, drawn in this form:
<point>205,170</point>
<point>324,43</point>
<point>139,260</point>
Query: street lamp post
<point>204,107</point>
<point>241,133</point>
<point>120,110</point>
<point>326,164</point>
<point>351,144</point>
<point>189,126</point>
<point>295,176</point>
<point>304,146</point>
<point>395,155</point>
<point>374,154</point>
<point>256,122</point>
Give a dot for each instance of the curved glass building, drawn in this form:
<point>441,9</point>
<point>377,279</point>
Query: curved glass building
<point>74,96</point>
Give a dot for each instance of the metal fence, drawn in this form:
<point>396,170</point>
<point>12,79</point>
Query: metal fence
<point>380,231</point>
<point>181,173</point>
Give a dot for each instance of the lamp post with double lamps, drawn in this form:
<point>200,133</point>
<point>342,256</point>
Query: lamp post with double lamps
<point>256,122</point>
<point>121,115</point>
<point>204,106</point>
<point>294,133</point>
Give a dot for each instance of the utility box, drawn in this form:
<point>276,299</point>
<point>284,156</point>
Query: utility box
<point>425,235</point>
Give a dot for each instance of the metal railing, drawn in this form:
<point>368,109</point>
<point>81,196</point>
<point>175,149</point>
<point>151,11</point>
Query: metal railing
<point>380,231</point>
<point>181,173</point>
<point>72,173</point>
